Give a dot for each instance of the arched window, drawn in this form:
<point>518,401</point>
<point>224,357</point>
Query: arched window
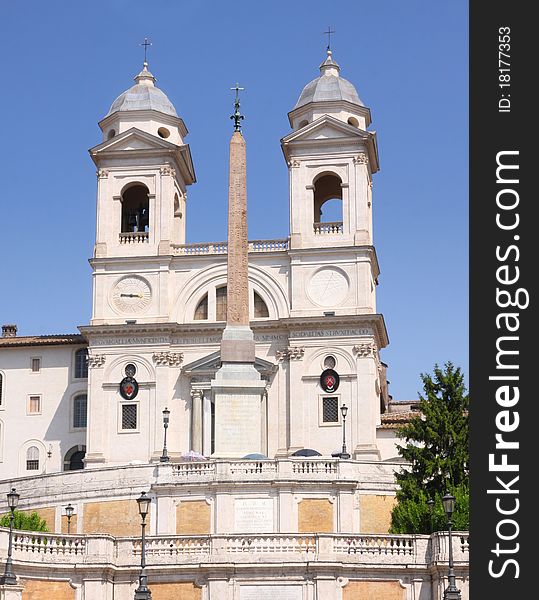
<point>32,458</point>
<point>135,209</point>
<point>261,309</point>
<point>328,213</point>
<point>80,410</point>
<point>201,311</point>
<point>74,458</point>
<point>177,209</point>
<point>81,363</point>
<point>220,303</point>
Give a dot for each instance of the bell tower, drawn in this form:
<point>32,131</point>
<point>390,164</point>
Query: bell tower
<point>331,158</point>
<point>144,168</point>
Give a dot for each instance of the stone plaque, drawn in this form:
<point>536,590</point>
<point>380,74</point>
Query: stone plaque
<point>271,592</point>
<point>237,424</point>
<point>253,515</point>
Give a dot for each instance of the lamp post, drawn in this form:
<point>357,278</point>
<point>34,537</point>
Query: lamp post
<point>69,513</point>
<point>143,592</point>
<point>344,411</point>
<point>430,504</point>
<point>165,457</point>
<point>451,592</point>
<point>9,577</point>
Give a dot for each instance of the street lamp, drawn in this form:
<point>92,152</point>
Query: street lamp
<point>451,592</point>
<point>69,513</point>
<point>344,411</point>
<point>165,457</point>
<point>430,504</point>
<point>143,592</point>
<point>9,577</point>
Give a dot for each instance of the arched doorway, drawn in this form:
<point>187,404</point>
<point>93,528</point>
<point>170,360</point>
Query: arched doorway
<point>74,458</point>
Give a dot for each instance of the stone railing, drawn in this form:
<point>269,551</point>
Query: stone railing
<point>393,546</point>
<point>260,469</point>
<point>459,541</point>
<point>244,548</point>
<point>225,548</point>
<point>135,237</point>
<point>45,543</point>
<point>203,249</point>
<point>328,228</point>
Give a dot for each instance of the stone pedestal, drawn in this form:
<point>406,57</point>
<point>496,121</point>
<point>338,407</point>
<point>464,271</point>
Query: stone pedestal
<point>237,390</point>
<point>11,592</point>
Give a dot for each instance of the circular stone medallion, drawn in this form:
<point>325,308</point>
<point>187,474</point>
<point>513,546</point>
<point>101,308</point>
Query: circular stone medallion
<point>328,287</point>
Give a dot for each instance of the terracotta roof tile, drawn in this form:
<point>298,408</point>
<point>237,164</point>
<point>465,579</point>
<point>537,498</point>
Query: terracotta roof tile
<point>42,340</point>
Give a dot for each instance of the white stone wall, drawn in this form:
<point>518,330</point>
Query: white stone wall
<point>51,430</point>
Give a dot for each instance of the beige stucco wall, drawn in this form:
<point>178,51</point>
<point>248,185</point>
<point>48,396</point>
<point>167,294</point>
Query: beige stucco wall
<point>375,513</point>
<point>193,517</point>
<point>315,515</point>
<point>373,590</point>
<point>117,517</point>
<point>168,591</point>
<point>38,589</point>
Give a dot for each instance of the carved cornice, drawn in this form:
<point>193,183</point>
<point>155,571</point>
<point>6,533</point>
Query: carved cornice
<point>168,170</point>
<point>361,159</point>
<point>170,359</point>
<point>365,350</point>
<point>290,353</point>
<point>96,360</point>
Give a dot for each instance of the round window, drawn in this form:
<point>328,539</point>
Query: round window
<point>329,362</point>
<point>130,370</point>
<point>163,132</point>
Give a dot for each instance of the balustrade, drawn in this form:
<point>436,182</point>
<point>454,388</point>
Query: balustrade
<point>168,549</point>
<point>328,228</point>
<point>222,247</point>
<point>41,543</point>
<point>134,237</point>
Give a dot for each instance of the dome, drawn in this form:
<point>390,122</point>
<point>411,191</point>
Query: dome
<point>329,86</point>
<point>143,96</point>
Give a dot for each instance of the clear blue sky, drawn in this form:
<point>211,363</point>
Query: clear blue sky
<point>65,62</point>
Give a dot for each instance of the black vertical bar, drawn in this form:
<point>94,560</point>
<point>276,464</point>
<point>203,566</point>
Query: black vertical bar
<point>503,274</point>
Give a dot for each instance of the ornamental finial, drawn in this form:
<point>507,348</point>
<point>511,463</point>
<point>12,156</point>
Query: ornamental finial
<point>238,118</point>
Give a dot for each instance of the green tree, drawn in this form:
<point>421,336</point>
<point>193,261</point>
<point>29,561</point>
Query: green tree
<point>25,522</point>
<point>437,452</point>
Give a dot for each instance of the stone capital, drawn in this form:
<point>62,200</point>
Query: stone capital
<point>361,159</point>
<point>290,353</point>
<point>365,350</point>
<point>96,360</point>
<point>170,359</point>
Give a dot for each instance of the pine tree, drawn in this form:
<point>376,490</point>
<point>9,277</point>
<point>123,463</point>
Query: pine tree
<point>437,452</point>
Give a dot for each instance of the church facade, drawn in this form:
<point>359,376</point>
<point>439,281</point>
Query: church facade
<point>303,512</point>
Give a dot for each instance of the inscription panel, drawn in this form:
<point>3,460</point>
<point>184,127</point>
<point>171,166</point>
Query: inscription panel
<point>253,515</point>
<point>270,592</point>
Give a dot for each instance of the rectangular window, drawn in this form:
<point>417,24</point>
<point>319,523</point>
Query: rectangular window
<point>80,405</point>
<point>35,365</point>
<point>129,416</point>
<point>34,405</point>
<point>81,364</point>
<point>330,410</point>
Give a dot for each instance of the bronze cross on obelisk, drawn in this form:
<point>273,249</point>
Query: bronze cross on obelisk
<point>328,33</point>
<point>145,43</point>
<point>237,116</point>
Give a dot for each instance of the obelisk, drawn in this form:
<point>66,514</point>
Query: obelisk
<point>237,387</point>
